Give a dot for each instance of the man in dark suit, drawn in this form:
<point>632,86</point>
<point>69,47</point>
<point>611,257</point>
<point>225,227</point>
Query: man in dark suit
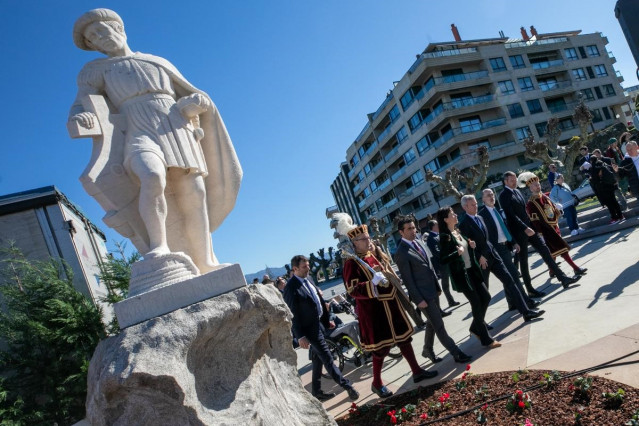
<point>514,206</point>
<point>628,167</point>
<point>432,242</point>
<point>415,267</point>
<point>474,228</point>
<point>501,238</point>
<point>310,319</point>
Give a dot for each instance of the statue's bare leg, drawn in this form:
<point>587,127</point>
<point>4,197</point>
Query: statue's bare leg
<point>151,172</point>
<point>190,194</point>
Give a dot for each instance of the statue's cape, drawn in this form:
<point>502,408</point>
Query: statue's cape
<point>224,170</point>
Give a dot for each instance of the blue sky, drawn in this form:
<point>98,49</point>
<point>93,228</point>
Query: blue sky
<point>293,81</point>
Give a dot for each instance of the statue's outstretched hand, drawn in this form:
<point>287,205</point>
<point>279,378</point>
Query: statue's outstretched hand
<point>193,105</point>
<point>86,119</point>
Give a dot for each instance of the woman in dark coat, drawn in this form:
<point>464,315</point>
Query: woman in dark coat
<point>465,276</point>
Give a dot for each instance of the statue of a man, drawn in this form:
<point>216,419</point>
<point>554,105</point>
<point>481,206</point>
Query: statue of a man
<point>169,144</point>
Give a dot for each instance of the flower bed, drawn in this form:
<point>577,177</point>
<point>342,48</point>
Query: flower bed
<point>526,398</point>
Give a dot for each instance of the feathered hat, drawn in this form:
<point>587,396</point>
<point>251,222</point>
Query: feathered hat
<point>526,178</point>
<point>343,224</point>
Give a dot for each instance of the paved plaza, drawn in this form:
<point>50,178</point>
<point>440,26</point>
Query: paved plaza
<point>592,323</point>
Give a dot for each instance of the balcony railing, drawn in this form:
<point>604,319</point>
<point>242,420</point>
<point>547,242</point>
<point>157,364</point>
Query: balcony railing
<point>475,127</point>
<point>611,56</point>
<point>391,203</point>
<point>461,103</point>
<point>362,203</point>
<point>547,64</point>
<point>398,173</point>
<point>535,42</point>
<point>461,77</point>
<point>554,85</point>
<point>384,185</point>
<point>391,153</point>
<point>562,107</point>
<point>452,52</point>
<point>384,133</point>
<point>389,97</point>
<point>445,137</point>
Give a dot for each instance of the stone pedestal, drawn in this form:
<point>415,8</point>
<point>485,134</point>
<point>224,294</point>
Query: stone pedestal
<point>147,299</point>
<point>227,360</point>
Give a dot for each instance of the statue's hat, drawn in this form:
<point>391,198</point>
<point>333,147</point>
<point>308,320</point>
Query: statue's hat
<point>88,18</point>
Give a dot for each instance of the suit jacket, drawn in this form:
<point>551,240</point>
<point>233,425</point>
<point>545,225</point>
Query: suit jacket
<point>491,225</point>
<point>469,228</point>
<point>461,279</point>
<point>302,306</point>
<point>514,205</point>
<point>628,170</point>
<point>417,274</point>
<point>582,160</point>
<point>432,242</point>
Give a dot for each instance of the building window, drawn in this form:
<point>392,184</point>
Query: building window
<point>470,124</point>
<point>354,160</point>
<point>515,110</point>
<point>566,124</point>
<point>422,145</point>
<point>608,90</point>
<point>415,121</point>
<point>443,160</point>
<point>432,166</point>
<point>393,114</point>
<point>517,61</point>
<point>606,113</point>
<point>600,70</point>
<point>582,52</point>
<point>579,74</point>
<point>523,160</point>
<point>525,84</point>
<point>598,92</point>
<point>367,169</point>
<point>588,94</point>
<point>401,135</point>
<point>556,105</point>
<point>409,156</point>
<point>571,54</point>
<point>541,129</point>
<point>506,87</point>
<point>417,177</point>
<point>407,98</point>
<point>498,64</point>
<point>522,133</point>
<point>549,83</point>
<point>534,106</point>
<point>592,50</point>
<point>455,153</point>
<point>596,115</point>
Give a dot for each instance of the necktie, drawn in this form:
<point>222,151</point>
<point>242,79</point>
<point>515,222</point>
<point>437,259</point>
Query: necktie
<point>503,225</point>
<point>421,252</point>
<point>478,222</point>
<point>313,294</point>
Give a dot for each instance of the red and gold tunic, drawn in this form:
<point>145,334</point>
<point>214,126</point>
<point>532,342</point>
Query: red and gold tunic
<point>544,216</point>
<point>382,320</point>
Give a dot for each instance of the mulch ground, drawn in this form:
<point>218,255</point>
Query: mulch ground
<point>548,399</point>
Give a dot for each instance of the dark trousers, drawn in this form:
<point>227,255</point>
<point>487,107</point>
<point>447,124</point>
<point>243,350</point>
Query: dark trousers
<point>321,356</point>
<point>479,298</point>
<point>410,309</point>
<point>607,197</point>
<point>445,281</point>
<point>513,288</point>
<point>435,326</point>
<point>542,249</point>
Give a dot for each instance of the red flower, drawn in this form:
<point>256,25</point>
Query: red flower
<point>519,392</point>
<point>521,404</point>
<point>467,367</point>
<point>442,399</point>
<point>424,416</point>
<point>483,407</point>
<point>391,413</point>
<point>353,405</point>
<point>393,420</point>
<point>571,387</point>
<point>403,410</point>
<point>463,376</point>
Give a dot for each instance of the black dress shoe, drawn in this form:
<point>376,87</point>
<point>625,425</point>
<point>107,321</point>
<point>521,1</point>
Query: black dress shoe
<point>581,271</point>
<point>533,314</point>
<point>533,304</point>
<point>431,356</point>
<point>570,280</point>
<point>445,314</point>
<point>382,392</point>
<point>536,293</point>
<point>463,358</point>
<point>324,396</point>
<point>450,305</point>
<point>423,375</point>
<point>352,394</point>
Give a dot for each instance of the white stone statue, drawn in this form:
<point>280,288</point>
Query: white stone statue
<point>163,166</point>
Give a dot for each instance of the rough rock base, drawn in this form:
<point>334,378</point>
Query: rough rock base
<point>225,361</point>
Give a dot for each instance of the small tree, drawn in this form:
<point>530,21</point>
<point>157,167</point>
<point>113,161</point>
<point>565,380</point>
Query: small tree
<point>49,332</point>
<point>472,179</point>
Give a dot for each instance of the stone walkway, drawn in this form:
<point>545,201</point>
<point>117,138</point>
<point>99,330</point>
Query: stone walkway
<point>593,323</point>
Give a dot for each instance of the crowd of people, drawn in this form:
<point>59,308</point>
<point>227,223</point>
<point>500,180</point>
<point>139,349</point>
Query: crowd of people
<point>457,254</point>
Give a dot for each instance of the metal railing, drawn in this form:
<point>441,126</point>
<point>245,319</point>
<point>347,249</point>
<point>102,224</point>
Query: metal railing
<point>451,52</point>
<point>547,64</point>
<point>554,85</point>
<point>461,77</point>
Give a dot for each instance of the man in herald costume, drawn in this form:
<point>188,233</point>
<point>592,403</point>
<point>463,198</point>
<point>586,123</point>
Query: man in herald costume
<point>166,173</point>
<point>383,323</point>
<point>544,216</point>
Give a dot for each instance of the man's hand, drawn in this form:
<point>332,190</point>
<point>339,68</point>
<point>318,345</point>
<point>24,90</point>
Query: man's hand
<point>615,167</point>
<point>460,250</point>
<point>516,247</point>
<point>304,343</point>
<point>529,232</point>
<point>86,119</point>
<point>422,305</point>
<point>483,262</point>
<point>378,278</point>
<point>331,325</point>
<point>472,244</point>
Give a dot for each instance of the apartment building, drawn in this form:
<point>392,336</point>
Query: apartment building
<point>462,94</point>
